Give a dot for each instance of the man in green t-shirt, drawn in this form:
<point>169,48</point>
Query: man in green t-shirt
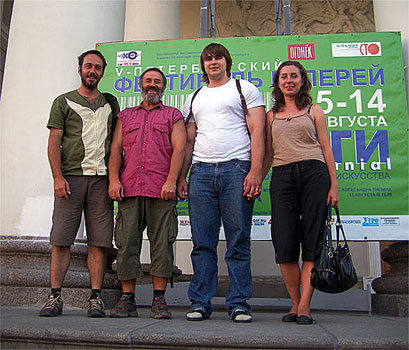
<point>81,126</point>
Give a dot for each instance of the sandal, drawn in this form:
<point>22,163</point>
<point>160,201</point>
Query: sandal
<point>304,319</point>
<point>290,317</point>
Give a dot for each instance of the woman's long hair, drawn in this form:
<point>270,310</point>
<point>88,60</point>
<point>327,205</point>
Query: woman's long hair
<point>303,97</point>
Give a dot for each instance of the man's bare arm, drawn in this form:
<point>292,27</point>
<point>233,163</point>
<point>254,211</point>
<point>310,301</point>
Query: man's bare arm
<point>178,141</point>
<point>268,156</point>
<point>256,125</point>
<point>190,142</point>
<point>61,186</point>
<point>116,190</point>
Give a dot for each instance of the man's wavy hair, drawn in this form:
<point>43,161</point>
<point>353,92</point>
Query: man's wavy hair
<point>92,52</point>
<point>215,50</point>
<point>303,97</point>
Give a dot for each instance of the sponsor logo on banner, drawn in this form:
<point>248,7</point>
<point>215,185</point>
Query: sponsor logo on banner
<point>128,58</point>
<point>351,222</point>
<point>301,52</point>
<point>390,221</point>
<point>370,222</point>
<point>259,222</point>
<point>356,49</point>
<point>184,222</point>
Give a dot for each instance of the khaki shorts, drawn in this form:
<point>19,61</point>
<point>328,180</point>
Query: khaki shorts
<point>134,215</point>
<point>88,193</point>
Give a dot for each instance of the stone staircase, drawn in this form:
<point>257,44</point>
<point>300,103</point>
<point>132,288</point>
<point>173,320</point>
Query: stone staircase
<point>25,281</point>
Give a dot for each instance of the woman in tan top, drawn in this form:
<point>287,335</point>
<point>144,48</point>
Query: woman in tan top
<point>303,182</point>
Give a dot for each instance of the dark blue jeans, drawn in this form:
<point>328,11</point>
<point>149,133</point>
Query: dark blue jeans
<point>215,196</point>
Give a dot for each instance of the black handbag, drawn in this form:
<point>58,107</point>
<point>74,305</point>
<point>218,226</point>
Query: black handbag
<point>333,271</point>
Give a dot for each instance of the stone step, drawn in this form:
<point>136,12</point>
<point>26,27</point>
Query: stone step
<point>25,263</point>
<point>22,328</point>
<point>37,296</point>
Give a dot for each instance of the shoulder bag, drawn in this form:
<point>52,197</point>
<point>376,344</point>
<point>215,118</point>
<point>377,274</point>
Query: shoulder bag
<point>333,271</point>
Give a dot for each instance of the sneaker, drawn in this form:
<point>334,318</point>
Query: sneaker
<point>159,308</point>
<point>240,315</point>
<point>96,307</point>
<point>196,315</point>
<point>125,307</point>
<point>53,306</point>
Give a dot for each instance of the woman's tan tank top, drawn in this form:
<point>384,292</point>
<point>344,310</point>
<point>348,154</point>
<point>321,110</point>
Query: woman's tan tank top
<point>295,139</point>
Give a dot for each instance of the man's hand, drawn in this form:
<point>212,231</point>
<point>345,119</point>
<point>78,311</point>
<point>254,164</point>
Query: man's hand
<point>182,189</point>
<point>168,190</point>
<point>252,185</point>
<point>61,187</point>
<point>116,190</point>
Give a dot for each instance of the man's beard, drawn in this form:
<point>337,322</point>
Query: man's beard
<point>90,85</point>
<point>152,98</point>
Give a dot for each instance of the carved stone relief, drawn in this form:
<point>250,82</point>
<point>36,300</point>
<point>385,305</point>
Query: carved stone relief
<point>247,18</point>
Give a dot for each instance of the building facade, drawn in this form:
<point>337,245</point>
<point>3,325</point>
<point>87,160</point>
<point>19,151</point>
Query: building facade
<point>44,39</point>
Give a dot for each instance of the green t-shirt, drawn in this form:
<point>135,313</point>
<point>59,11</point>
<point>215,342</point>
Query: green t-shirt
<point>87,132</point>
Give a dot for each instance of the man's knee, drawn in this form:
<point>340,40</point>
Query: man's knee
<point>60,250</point>
<point>97,248</point>
<point>96,251</point>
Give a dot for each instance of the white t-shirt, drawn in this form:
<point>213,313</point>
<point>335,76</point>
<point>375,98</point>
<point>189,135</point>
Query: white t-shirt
<point>221,127</point>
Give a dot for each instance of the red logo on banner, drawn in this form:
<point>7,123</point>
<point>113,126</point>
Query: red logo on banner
<point>184,222</point>
<point>301,52</point>
<point>369,49</point>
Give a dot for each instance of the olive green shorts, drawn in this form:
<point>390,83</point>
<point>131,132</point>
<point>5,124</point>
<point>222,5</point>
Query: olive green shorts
<point>89,194</point>
<point>135,214</point>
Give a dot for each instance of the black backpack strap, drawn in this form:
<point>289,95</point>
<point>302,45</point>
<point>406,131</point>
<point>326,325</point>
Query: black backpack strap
<point>190,115</point>
<point>111,99</point>
<point>243,104</point>
<point>242,99</point>
<point>113,102</point>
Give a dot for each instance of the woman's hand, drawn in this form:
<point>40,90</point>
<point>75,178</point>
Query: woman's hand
<point>333,197</point>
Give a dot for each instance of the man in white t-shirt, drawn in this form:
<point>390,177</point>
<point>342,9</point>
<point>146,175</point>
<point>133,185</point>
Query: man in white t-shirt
<point>225,178</point>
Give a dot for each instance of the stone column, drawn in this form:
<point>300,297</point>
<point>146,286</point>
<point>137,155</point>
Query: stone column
<point>45,39</point>
<point>152,20</point>
<point>392,296</point>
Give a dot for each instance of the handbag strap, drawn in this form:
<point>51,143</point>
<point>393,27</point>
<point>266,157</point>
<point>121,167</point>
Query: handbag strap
<point>339,227</point>
<point>328,233</point>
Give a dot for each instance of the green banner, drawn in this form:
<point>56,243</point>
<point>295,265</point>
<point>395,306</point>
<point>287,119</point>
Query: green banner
<point>358,79</point>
